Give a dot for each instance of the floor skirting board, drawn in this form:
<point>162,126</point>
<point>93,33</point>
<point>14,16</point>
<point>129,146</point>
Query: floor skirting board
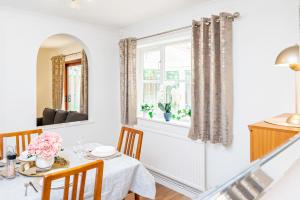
<point>175,185</point>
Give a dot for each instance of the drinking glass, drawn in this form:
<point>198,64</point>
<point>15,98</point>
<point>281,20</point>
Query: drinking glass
<point>78,148</point>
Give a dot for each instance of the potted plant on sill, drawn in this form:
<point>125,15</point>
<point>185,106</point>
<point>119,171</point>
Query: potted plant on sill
<point>182,113</point>
<point>166,108</point>
<point>147,109</point>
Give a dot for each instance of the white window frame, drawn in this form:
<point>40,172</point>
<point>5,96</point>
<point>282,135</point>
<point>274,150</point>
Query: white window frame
<point>140,73</point>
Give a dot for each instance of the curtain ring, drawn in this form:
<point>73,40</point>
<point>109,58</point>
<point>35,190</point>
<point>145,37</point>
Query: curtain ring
<point>231,17</point>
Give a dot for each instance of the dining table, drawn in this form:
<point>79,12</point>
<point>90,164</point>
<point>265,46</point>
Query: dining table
<point>121,174</point>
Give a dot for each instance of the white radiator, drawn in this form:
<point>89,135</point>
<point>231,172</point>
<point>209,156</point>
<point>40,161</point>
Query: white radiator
<point>167,151</point>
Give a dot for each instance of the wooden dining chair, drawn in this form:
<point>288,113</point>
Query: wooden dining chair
<point>75,171</point>
<point>129,146</point>
<point>18,135</point>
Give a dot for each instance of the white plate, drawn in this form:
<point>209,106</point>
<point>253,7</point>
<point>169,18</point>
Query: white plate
<point>90,146</point>
<point>104,151</point>
<point>24,157</point>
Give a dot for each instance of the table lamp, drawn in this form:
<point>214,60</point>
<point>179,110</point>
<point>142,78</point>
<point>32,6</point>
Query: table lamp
<point>289,57</point>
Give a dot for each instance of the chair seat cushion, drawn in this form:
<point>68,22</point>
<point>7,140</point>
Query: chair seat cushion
<point>60,116</point>
<point>76,116</point>
<point>48,116</point>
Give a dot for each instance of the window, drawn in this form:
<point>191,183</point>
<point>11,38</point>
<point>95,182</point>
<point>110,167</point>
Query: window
<point>72,85</point>
<point>165,76</point>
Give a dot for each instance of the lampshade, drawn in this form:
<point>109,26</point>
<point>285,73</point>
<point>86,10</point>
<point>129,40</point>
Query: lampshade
<point>288,56</point>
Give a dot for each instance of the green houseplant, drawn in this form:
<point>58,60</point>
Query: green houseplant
<point>147,108</point>
<point>166,108</point>
<point>182,113</point>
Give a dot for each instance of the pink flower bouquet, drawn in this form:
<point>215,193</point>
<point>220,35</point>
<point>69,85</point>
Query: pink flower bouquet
<point>47,145</point>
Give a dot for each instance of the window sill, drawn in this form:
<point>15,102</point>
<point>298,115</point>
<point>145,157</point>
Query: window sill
<point>162,121</point>
<point>173,129</point>
<point>64,125</point>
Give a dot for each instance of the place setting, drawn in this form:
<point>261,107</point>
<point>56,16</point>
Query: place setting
<point>95,151</point>
<point>102,152</point>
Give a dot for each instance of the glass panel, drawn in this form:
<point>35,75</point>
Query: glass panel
<point>152,59</point>
<point>172,75</point>
<point>152,65</point>
<point>178,55</point>
<point>151,74</point>
<point>151,93</point>
<point>265,178</point>
<point>188,76</point>
<point>177,74</point>
<point>74,83</point>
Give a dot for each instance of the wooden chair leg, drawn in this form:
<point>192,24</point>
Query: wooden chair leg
<point>136,197</point>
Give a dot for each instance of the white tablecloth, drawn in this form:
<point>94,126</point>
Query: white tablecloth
<point>121,174</point>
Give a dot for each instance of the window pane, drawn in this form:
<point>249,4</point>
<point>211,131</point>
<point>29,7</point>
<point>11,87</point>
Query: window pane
<point>74,83</point>
<point>151,93</point>
<point>177,73</point>
<point>152,59</point>
<point>188,89</point>
<point>178,55</point>
<point>151,74</point>
<point>172,75</point>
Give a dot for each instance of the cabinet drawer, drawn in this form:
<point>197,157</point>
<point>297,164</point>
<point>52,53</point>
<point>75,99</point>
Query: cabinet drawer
<point>264,140</point>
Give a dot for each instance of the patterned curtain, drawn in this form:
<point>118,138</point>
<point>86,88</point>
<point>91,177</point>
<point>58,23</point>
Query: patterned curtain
<point>128,81</point>
<point>212,93</point>
<point>58,70</point>
<point>84,84</point>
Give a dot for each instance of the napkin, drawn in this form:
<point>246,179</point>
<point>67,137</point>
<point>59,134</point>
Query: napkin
<point>89,156</point>
<point>30,171</point>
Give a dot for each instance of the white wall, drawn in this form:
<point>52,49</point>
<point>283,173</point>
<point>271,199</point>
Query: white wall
<point>44,79</point>
<point>2,58</point>
<point>260,90</point>
<point>21,36</point>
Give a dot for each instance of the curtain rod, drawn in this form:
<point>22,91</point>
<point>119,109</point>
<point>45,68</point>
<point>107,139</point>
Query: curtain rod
<point>234,16</point>
<point>73,53</point>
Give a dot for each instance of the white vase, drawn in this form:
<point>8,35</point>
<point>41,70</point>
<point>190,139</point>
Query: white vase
<point>43,163</point>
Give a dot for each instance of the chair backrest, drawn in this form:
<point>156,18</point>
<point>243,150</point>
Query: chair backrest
<point>20,134</point>
<point>129,146</point>
<point>75,171</point>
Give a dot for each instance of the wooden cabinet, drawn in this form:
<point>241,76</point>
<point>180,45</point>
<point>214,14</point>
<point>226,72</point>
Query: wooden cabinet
<point>265,137</point>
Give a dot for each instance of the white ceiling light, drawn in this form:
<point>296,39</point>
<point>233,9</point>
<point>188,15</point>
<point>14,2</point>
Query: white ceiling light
<point>75,4</point>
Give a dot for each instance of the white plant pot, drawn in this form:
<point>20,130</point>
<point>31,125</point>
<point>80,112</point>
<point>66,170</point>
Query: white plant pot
<point>43,163</point>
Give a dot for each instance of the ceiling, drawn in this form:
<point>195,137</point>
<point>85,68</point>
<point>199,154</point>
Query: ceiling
<point>114,13</point>
<point>59,41</point>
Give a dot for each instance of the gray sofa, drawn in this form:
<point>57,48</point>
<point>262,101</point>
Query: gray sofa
<point>53,116</point>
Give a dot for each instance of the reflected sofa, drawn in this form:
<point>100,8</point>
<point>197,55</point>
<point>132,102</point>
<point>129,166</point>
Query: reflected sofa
<point>53,116</point>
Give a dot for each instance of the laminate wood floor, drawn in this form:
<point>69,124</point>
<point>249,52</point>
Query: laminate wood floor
<point>163,193</point>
